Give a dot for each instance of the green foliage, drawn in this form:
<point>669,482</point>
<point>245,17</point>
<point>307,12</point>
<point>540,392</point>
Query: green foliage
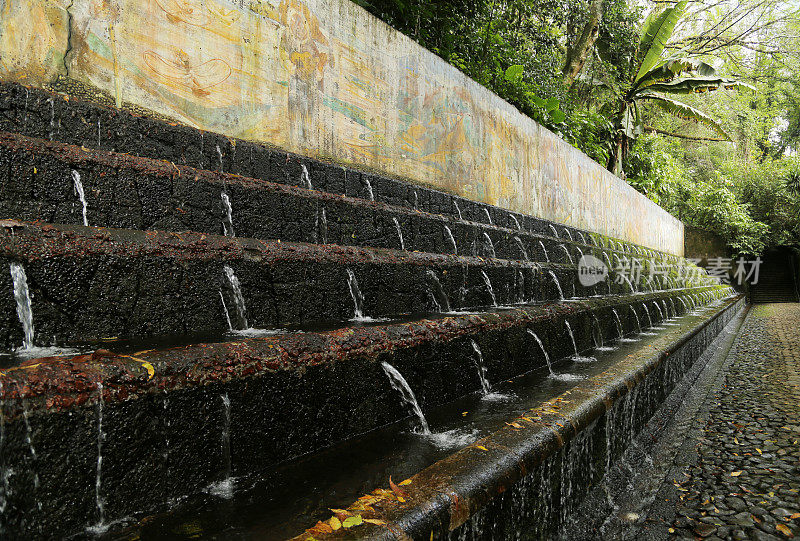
<point>747,191</point>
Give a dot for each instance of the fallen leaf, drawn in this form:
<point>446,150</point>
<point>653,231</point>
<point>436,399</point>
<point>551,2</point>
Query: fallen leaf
<point>321,527</point>
<point>404,483</point>
<point>375,521</point>
<point>355,520</point>
<point>335,523</point>
<point>785,530</point>
<point>344,512</point>
<point>736,473</point>
<point>759,450</point>
<point>397,490</point>
<point>795,516</point>
<point>481,447</point>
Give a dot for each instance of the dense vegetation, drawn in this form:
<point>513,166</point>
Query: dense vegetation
<point>696,104</point>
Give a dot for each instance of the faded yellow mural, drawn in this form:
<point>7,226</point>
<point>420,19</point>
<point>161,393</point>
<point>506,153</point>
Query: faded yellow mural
<point>325,79</point>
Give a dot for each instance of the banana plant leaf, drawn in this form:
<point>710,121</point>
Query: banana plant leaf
<point>686,112</point>
<point>670,69</point>
<point>657,33</point>
<point>699,85</point>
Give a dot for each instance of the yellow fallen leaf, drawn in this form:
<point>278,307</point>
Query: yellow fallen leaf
<point>785,530</point>
<point>736,473</point>
<point>759,450</point>
<point>355,520</point>
<point>341,512</point>
<point>481,447</point>
<point>375,521</point>
<point>794,516</point>
<point>404,483</point>
<point>335,523</point>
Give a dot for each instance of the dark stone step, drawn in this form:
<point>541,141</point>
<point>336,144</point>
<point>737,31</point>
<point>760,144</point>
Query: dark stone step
<point>46,115</point>
<point>92,283</point>
<point>288,395</point>
<point>38,179</point>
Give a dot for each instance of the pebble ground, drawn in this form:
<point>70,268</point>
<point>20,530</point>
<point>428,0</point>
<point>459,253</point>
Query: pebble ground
<point>744,480</point>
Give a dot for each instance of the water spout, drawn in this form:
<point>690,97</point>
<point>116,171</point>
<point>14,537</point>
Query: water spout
<point>572,337</point>
<point>488,216</point>
<point>305,177</point>
<point>224,487</point>
<point>78,185</point>
<point>544,351</point>
<point>489,287</point>
<point>400,385</point>
<point>489,244</point>
<point>486,388</point>
<point>458,210</point>
<point>647,311</point>
<point>544,251</point>
<point>452,239</point>
<point>569,234</point>
<point>636,316</point>
<point>558,285</point>
<point>569,255</point>
<point>368,184</point>
<point>516,222</point>
<point>219,154</point>
<point>522,248</point>
<point>240,314</point>
<point>99,501</point>
<point>22,296</point>
<point>358,298</point>
<point>322,226</point>
<point>555,231</point>
<point>660,313</point>
<point>619,322</point>
<point>399,233</point>
<point>227,218</point>
<point>437,292</point>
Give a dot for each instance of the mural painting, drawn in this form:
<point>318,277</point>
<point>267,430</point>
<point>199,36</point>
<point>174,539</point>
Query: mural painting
<point>325,79</point>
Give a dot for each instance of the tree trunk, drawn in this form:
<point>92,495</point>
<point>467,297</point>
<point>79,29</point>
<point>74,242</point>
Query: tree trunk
<point>579,51</point>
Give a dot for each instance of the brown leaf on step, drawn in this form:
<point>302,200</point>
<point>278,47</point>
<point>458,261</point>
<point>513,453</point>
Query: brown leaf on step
<point>795,516</point>
<point>375,521</point>
<point>404,483</point>
<point>399,492</point>
<point>341,512</point>
<point>785,530</point>
<point>320,528</point>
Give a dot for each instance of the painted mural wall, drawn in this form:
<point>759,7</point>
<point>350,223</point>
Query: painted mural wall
<point>325,79</point>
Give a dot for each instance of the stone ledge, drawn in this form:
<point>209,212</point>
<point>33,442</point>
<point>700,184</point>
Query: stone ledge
<point>482,481</point>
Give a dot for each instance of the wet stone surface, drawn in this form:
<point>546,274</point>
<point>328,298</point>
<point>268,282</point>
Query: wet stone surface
<point>739,475</point>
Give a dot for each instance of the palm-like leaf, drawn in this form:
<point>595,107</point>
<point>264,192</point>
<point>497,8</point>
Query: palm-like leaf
<point>670,69</point>
<point>697,85</point>
<point>657,32</point>
<point>686,112</point>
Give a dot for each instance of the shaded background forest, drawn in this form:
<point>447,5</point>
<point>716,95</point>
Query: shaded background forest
<point>723,158</point>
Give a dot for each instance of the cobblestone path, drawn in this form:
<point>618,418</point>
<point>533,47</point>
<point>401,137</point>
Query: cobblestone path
<point>744,481</point>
